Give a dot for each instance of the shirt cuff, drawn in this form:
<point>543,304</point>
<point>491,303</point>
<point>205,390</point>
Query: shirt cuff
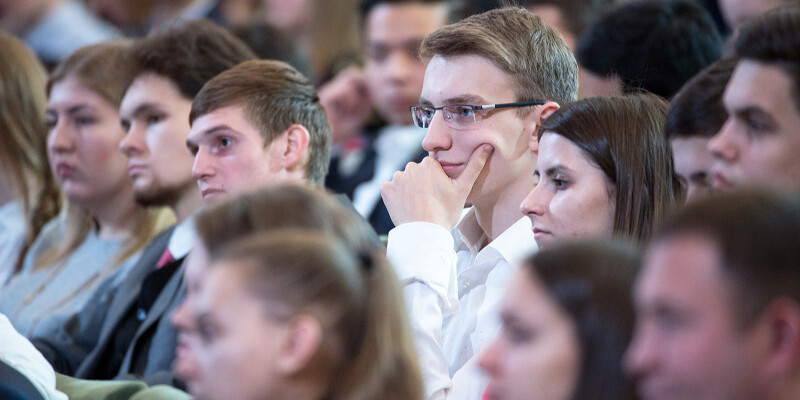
<point>422,251</point>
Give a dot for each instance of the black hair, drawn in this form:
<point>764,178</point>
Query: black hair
<point>773,38</point>
<point>655,45</point>
<point>190,53</point>
<point>697,109</point>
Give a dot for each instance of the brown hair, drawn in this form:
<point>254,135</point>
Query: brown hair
<point>310,253</point>
<point>592,282</point>
<point>280,207</point>
<point>534,55</point>
<point>757,236</point>
<point>773,39</point>
<point>190,53</point>
<point>697,109</point>
<point>624,137</point>
<point>274,96</point>
<point>105,69</point>
<point>23,137</point>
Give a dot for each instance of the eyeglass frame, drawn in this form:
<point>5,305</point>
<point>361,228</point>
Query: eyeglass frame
<point>474,109</point>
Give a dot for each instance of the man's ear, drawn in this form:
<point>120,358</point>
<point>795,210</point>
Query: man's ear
<point>301,343</point>
<point>540,114</point>
<point>781,320</point>
<point>295,152</point>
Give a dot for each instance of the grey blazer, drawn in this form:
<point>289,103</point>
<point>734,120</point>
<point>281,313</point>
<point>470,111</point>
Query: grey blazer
<point>77,348</point>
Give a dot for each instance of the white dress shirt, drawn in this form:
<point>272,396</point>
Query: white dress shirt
<point>20,354</point>
<point>182,239</point>
<point>453,291</point>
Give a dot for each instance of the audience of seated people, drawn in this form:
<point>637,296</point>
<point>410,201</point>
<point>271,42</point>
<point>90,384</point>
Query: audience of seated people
<point>122,331</point>
<point>268,287</point>
<point>695,115</point>
<point>29,196</point>
<point>593,179</point>
<point>102,229</point>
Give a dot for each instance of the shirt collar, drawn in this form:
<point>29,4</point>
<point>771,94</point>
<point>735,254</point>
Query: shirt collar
<point>182,239</point>
<point>514,244</point>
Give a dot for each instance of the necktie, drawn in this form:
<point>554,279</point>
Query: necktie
<point>165,259</point>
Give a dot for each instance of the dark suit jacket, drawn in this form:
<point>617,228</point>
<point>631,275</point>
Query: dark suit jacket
<point>77,349</point>
<point>379,217</point>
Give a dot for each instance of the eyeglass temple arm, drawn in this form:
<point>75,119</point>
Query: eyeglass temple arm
<point>519,104</point>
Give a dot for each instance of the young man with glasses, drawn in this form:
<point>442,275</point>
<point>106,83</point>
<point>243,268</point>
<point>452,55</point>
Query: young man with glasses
<point>490,81</point>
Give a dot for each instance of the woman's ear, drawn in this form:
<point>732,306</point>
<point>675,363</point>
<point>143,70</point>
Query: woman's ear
<point>301,342</point>
<point>295,153</point>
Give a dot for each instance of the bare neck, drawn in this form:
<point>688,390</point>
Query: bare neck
<point>498,211</point>
<point>189,202</point>
<point>117,217</point>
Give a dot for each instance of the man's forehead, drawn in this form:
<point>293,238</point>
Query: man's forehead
<point>468,76</point>
<point>149,88</point>
<point>683,262</point>
<point>757,85</point>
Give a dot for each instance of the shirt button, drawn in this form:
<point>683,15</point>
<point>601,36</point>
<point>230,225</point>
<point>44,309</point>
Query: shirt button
<point>141,314</point>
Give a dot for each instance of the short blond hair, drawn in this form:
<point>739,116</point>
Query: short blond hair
<point>533,54</point>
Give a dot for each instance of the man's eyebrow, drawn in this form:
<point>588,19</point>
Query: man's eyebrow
<point>471,99</point>
<point>468,99</point>
<point>192,144</point>
<point>217,129</point>
<point>751,110</point>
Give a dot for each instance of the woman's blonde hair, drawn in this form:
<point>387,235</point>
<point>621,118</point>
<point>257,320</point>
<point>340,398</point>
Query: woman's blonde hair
<point>354,295</point>
<point>105,69</point>
<point>361,298</point>
<point>23,137</point>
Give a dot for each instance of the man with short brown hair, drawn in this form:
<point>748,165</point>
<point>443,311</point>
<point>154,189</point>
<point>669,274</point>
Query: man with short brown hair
<point>718,302</point>
<point>258,123</point>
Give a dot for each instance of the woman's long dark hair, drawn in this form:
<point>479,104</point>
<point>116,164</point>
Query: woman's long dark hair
<point>624,137</point>
<point>592,282</point>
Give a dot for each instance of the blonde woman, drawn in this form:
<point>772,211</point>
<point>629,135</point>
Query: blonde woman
<point>101,228</point>
<point>29,196</point>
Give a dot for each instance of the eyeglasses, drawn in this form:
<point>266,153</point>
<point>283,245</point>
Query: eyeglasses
<point>460,116</point>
